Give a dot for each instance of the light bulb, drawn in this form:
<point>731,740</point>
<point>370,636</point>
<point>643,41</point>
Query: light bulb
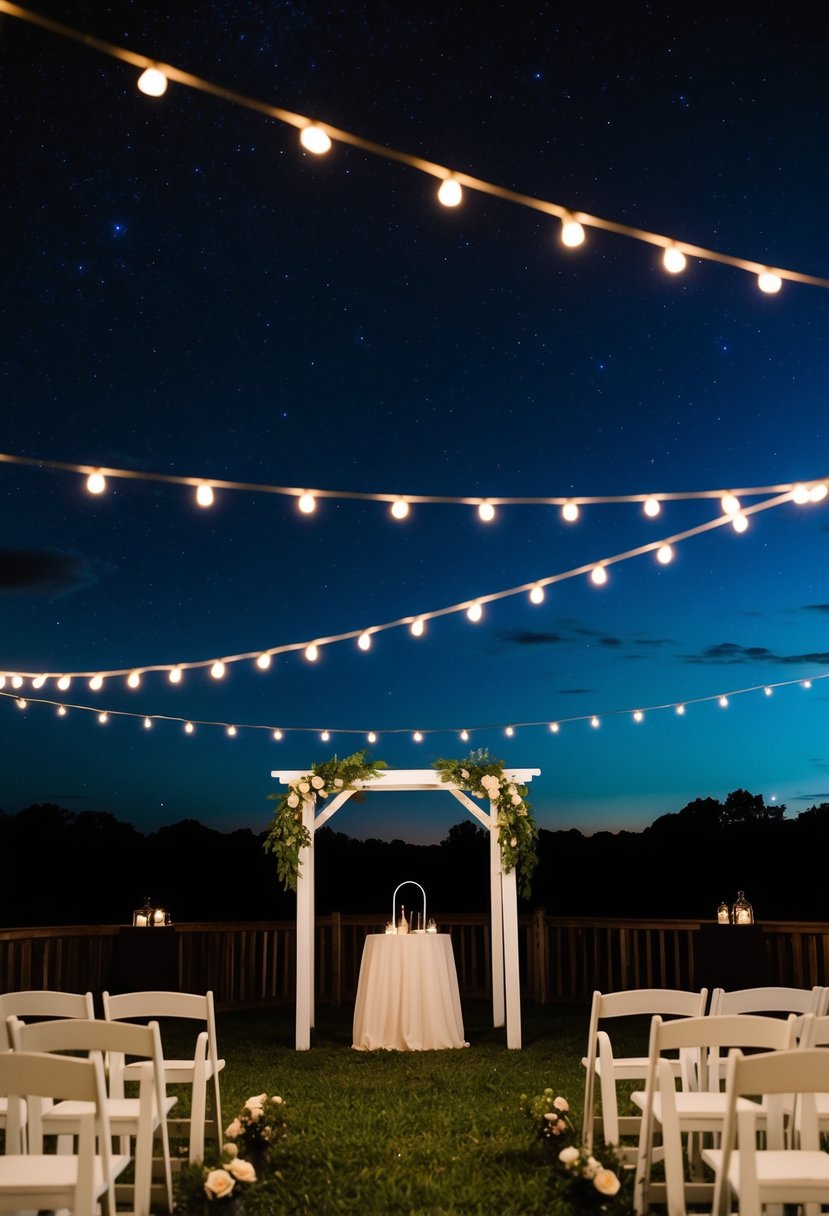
<point>189,728</point>
<point>739,522</point>
<point>509,732</point>
<point>217,671</point>
<point>418,738</point>
<point>61,711</point>
<point>263,662</point>
<point>570,512</point>
<point>400,508</point>
<point>769,282</point>
<point>133,679</point>
<point>486,512</point>
<point>175,675</point>
<point>450,192</point>
<point>311,653</point>
<point>807,683</point>
<point>818,492</point>
<point>2,681</point>
<point>364,640</point>
<point>96,483</point>
<point>204,495</point>
<point>680,709</point>
<point>537,595</point>
<point>277,734</point>
<point>594,721</point>
<point>38,681</point>
<point>664,554</point>
<point>148,723</point>
<point>231,730</point>
<point>417,626</point>
<point>314,139</point>
<point>22,702</point>
<point>17,681</point>
<point>372,738</point>
<point>652,506</point>
<point>572,232</point>
<point>464,736</point>
<point>638,716</point>
<point>63,683</point>
<point>307,503</point>
<point>723,702</point>
<point>598,575</point>
<point>674,260</point>
<point>152,82</point>
<point>730,504</point>
<point>96,682</point>
<point>800,495</point>
<point>325,736</point>
<point>554,728</point>
<point>474,611</point>
<point>767,691</point>
<point>103,718</point>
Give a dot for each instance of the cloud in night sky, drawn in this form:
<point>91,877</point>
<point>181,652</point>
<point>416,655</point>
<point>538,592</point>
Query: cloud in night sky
<point>45,572</point>
<point>728,654</point>
<point>530,637</point>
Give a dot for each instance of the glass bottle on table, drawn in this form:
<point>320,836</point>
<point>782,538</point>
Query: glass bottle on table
<point>403,924</point>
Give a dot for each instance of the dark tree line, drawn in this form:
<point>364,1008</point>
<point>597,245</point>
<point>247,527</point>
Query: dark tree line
<point>62,867</point>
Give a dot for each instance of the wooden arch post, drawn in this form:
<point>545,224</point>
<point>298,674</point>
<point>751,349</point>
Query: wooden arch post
<point>506,987</point>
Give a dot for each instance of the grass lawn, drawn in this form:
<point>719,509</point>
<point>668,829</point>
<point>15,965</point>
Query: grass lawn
<point>434,1133</point>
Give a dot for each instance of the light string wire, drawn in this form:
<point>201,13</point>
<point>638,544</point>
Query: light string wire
<point>217,483</point>
<point>417,735</point>
<point>769,277</point>
<point>364,634</point>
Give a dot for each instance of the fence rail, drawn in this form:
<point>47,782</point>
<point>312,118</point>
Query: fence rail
<point>253,963</point>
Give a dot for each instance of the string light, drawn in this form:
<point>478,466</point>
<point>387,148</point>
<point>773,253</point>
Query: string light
<point>818,492</point>
<point>739,522</point>
<point>570,512</point>
<point>723,702</point>
<point>652,507</point>
<point>594,721</point>
<point>263,661</point>
<point>314,139</point>
<point>680,709</point>
<point>364,640</point>
<point>399,508</point>
<point>61,711</point>
<point>371,737</point>
<point>175,675</point>
<point>598,575</point>
<point>674,260</point>
<point>325,736</point>
<point>807,684</point>
<point>417,736</point>
<point>133,679</point>
<point>509,732</point>
<point>486,512</point>
<point>664,554</point>
<point>730,504</point>
<point>232,731</point>
<point>204,495</point>
<point>464,736</point>
<point>188,728</point>
<point>554,728</point>
<point>96,483</point>
<point>537,595</point>
<point>2,681</point>
<point>96,683</point>
<point>638,716</point>
<point>307,503</point>
<point>103,717</point>
<point>311,653</point>
<point>474,612</point>
<point>277,734</point>
<point>450,192</point>
<point>152,82</point>
<point>769,282</point>
<point>767,691</point>
<point>217,670</point>
<point>148,722</point>
<point>17,681</point>
<point>38,681</point>
<point>21,702</point>
<point>64,682</point>
<point>572,232</point>
<point>417,627</point>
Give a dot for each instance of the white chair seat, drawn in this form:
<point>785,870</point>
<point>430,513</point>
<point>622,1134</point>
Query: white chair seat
<point>783,1167</point>
<point>26,1174</point>
<point>177,1072</point>
<point>698,1111</point>
<point>58,1120</point>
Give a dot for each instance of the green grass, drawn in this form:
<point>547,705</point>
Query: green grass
<point>435,1133</point>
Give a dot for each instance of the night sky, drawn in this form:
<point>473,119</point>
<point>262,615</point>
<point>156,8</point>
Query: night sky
<point>186,291</point>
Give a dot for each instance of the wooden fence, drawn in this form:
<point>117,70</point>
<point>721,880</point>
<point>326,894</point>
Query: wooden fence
<point>253,963</point>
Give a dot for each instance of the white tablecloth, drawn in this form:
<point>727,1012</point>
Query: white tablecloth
<point>407,995</point>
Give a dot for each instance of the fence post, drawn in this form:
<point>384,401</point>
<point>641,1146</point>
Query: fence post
<point>540,957</point>
<point>336,959</point>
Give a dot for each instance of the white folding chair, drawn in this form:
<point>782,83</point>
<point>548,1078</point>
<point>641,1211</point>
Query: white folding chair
<point>770,1000</point>
<point>699,1107</point>
<point>601,1062</point>
<point>40,1003</point>
<point>51,1181</point>
<point>772,1173</point>
<point>199,1073</point>
<point>133,1119</point>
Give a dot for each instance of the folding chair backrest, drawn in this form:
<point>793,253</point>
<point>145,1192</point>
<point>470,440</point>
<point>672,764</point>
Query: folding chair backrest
<point>43,1003</point>
<point>770,1000</point>
<point>701,1040</point>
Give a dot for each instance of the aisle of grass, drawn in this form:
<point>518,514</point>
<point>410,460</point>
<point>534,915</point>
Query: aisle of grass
<point>415,1133</point>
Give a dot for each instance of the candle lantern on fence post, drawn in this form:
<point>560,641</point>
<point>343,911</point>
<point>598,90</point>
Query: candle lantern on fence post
<point>742,913</point>
<point>149,917</point>
<point>723,914</point>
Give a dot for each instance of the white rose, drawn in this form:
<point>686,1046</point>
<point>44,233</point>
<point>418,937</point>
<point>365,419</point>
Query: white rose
<point>218,1183</point>
<point>293,800</point>
<point>486,780</point>
<point>304,787</point>
<point>511,789</point>
<point>323,793</point>
<point>606,1182</point>
<point>233,1129</point>
<point>569,1156</point>
<point>464,774</point>
<point>592,1168</point>
<point>317,783</point>
<point>276,1098</point>
<point>338,782</point>
<point>358,783</point>
<point>515,800</point>
<point>242,1171</point>
<point>561,1104</point>
<point>230,1150</point>
<point>513,843</point>
<point>494,788</point>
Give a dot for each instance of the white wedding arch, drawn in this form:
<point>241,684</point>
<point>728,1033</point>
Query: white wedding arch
<point>506,993</point>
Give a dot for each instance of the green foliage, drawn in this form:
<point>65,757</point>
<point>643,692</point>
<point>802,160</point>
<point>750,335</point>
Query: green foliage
<point>288,836</point>
<point>483,776</point>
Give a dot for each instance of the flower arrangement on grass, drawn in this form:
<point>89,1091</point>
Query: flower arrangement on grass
<point>483,777</point>
<point>288,835</point>
<point>259,1124</point>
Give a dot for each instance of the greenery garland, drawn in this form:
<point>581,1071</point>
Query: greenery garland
<point>288,834</point>
<point>483,777</point>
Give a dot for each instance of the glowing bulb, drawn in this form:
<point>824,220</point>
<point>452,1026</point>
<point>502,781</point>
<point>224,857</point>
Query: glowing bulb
<point>450,193</point>
<point>307,504</point>
<point>2,681</point>
<point>175,675</point>
<point>652,507</point>
<point>152,82</point>
<point>17,681</point>
<point>638,716</point>
<point>418,738</point>
<point>63,683</point>
<point>103,718</point>
<point>263,662</point>
<point>400,508</point>
<point>364,640</point>
<point>417,627</point>
<point>464,736</point>
<point>148,723</point>
<point>570,512</point>
<point>204,495</point>
<point>475,611</point>
<point>486,512</point>
<point>594,721</point>
<point>189,728</point>
<point>133,679</point>
<point>807,683</point>
<point>61,711</point>
<point>818,492</point>
<point>325,736</point>
<point>730,504</point>
<point>277,734</point>
<point>572,232</point>
<point>22,702</point>
<point>217,671</point>
<point>674,260</point>
<point>680,709</point>
<point>38,681</point>
<point>767,691</point>
<point>96,682</point>
<point>769,282</point>
<point>96,483</point>
<point>232,731</point>
<point>800,495</point>
<point>537,595</point>
<point>598,575</point>
<point>739,522</point>
<point>554,728</point>
<point>509,732</point>
<point>314,139</point>
<point>664,554</point>
<point>723,702</point>
<point>311,653</point>
<point>372,738</point>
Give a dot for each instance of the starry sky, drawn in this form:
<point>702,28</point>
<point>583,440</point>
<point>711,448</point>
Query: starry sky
<point>186,291</point>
